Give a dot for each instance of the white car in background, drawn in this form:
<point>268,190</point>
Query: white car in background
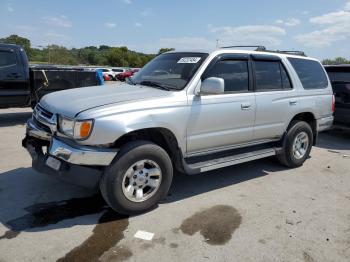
<point>109,72</point>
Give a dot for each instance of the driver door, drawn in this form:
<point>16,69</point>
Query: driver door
<point>223,121</point>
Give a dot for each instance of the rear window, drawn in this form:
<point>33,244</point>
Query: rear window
<point>7,58</point>
<point>311,73</point>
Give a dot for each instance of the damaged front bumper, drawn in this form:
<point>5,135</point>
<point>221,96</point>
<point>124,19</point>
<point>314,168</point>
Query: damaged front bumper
<point>61,158</point>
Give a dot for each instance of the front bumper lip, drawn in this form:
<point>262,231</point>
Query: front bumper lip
<point>72,153</point>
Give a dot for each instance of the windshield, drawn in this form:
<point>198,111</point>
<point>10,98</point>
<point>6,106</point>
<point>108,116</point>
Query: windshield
<point>171,70</point>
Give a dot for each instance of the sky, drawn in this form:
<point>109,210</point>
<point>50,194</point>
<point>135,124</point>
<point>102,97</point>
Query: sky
<point>321,28</point>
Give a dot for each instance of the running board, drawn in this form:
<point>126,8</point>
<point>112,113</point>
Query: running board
<point>212,164</point>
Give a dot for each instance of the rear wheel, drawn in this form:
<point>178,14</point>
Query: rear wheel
<point>297,145</point>
<point>138,178</point>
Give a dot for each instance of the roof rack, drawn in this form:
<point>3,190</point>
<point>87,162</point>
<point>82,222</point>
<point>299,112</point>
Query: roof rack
<point>258,47</point>
<point>263,49</point>
<point>290,52</point>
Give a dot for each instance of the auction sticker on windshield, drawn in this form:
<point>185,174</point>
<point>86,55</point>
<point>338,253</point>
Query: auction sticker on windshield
<point>189,60</point>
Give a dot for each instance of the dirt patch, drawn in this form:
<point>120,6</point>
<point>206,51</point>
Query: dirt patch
<point>307,257</point>
<point>108,232</point>
<point>215,224</point>
<point>173,245</point>
<point>44,214</point>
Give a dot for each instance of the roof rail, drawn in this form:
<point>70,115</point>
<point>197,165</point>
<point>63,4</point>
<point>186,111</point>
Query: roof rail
<point>263,49</point>
<point>258,47</point>
<point>290,52</point>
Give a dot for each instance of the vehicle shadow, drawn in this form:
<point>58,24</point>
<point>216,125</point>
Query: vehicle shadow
<point>335,139</point>
<point>12,119</point>
<point>185,186</point>
<point>32,202</point>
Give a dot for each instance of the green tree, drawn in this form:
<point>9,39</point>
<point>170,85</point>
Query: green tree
<point>18,40</point>
<point>163,50</point>
<point>336,61</point>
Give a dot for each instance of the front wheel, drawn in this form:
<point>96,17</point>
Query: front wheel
<point>297,145</point>
<point>138,178</point>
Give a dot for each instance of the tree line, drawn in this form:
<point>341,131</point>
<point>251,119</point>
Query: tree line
<point>102,55</point>
<point>90,55</point>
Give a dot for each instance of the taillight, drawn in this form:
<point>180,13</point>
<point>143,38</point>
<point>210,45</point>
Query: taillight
<point>333,103</point>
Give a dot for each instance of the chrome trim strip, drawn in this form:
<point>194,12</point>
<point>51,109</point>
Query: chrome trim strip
<point>221,149</point>
<point>81,155</point>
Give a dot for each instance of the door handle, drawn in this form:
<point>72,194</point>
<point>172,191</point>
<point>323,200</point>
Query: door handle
<point>246,106</point>
<point>293,102</point>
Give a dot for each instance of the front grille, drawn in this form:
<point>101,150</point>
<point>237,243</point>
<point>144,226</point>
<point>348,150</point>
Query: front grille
<point>44,112</point>
<point>44,119</point>
<point>41,125</point>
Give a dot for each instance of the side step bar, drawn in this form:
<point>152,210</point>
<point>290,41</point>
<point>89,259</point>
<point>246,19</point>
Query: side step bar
<point>213,164</point>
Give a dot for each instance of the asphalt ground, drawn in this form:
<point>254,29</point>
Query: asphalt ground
<point>257,211</point>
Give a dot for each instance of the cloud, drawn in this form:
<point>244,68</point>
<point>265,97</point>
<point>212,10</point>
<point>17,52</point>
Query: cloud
<point>147,12</point>
<point>289,22</point>
<point>127,2</point>
<point>138,24</point>
<point>195,43</point>
<point>336,27</point>
<point>249,34</point>
<point>110,24</point>
<point>305,12</point>
<point>59,21</point>
<point>347,6</point>
<point>10,8</point>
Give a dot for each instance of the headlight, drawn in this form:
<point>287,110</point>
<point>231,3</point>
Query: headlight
<point>77,129</point>
<point>66,126</point>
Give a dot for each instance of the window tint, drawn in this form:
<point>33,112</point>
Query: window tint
<point>234,73</point>
<point>285,78</point>
<point>311,73</point>
<point>7,58</point>
<point>268,75</point>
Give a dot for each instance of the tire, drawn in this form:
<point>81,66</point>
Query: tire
<point>114,181</point>
<point>287,156</point>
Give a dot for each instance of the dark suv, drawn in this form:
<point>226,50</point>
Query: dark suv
<point>340,78</point>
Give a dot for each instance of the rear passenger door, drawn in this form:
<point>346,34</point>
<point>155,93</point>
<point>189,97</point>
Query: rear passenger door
<point>276,99</point>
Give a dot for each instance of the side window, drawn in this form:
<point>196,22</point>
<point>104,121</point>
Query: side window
<point>310,73</point>
<point>7,58</point>
<point>268,75</point>
<point>234,72</point>
<point>285,78</point>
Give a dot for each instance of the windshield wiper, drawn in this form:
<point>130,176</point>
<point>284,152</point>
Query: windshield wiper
<point>155,84</point>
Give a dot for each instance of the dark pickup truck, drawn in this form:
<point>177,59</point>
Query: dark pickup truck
<point>340,79</point>
<point>21,85</point>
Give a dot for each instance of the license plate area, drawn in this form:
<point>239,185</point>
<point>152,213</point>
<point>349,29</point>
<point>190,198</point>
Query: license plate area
<point>53,163</point>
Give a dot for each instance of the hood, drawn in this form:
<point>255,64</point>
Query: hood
<point>73,101</point>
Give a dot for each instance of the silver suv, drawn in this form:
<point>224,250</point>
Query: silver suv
<point>189,111</point>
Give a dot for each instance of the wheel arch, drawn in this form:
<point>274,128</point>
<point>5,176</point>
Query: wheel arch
<point>161,136</point>
<point>309,118</point>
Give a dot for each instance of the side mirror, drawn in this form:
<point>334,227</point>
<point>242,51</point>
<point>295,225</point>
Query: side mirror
<point>213,86</point>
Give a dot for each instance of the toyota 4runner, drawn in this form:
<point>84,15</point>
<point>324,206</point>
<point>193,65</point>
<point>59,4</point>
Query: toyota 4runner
<point>189,111</point>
